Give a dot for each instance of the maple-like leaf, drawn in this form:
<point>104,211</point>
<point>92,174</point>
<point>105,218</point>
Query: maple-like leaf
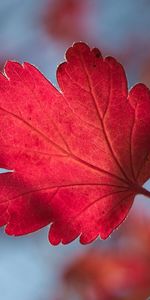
<point>79,155</point>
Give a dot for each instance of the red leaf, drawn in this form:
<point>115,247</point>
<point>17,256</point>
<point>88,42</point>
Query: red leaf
<point>80,156</point>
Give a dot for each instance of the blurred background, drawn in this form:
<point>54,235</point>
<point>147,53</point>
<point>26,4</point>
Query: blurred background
<point>39,31</point>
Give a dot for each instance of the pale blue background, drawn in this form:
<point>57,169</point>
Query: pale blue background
<point>29,266</point>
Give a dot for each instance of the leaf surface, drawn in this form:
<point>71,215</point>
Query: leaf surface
<point>79,155</point>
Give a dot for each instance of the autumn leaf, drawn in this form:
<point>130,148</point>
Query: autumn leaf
<point>79,155</point>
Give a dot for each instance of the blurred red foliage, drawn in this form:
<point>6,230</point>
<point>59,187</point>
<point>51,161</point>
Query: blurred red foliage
<point>117,272</point>
<point>2,63</point>
<point>145,71</point>
<point>66,19</point>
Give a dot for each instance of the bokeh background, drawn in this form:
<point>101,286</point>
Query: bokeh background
<point>39,31</point>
